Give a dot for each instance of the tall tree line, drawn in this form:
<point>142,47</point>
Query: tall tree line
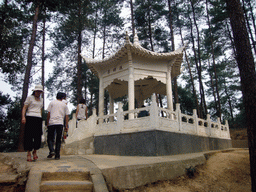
<point>96,28</point>
<point>80,24</point>
<point>211,79</point>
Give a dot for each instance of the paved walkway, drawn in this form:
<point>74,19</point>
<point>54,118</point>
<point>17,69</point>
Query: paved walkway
<point>120,172</point>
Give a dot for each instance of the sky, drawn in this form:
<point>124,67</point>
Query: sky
<point>5,87</point>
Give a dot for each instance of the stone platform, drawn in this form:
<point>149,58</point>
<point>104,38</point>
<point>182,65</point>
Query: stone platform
<point>157,143</point>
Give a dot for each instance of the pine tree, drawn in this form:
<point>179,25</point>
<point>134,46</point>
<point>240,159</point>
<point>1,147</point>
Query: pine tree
<point>148,16</point>
<point>13,38</point>
<point>110,23</point>
<point>246,66</point>
<point>73,23</point>
<point>9,123</point>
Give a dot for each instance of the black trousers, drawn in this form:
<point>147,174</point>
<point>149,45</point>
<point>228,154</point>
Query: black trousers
<point>51,138</point>
<point>33,133</point>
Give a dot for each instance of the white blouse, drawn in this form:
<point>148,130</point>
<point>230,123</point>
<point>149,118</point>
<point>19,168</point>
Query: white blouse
<point>34,106</point>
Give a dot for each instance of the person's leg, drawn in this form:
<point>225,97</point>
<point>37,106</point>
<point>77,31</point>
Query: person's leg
<point>28,135</point>
<point>28,138</point>
<point>28,141</point>
<point>50,139</point>
<point>58,140</point>
<point>37,136</point>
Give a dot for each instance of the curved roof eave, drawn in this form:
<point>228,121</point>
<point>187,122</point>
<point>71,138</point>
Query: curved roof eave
<point>136,48</point>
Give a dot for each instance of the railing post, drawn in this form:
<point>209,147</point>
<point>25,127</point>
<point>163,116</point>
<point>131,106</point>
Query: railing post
<point>219,125</point>
<point>72,124</point>
<point>120,117</point>
<point>227,125</point>
<point>154,118</point>
<point>178,112</point>
<point>209,121</point>
<point>93,121</point>
<point>195,121</point>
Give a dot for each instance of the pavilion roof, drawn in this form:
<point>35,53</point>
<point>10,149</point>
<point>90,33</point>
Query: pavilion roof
<point>136,48</point>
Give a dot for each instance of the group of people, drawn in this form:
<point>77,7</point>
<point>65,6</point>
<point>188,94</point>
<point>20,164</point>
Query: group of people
<point>57,120</point>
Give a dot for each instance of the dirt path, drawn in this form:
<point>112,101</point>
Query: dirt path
<point>229,171</point>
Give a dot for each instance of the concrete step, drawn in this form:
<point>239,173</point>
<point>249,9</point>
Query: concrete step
<point>66,186</point>
<point>66,182</point>
<point>77,176</point>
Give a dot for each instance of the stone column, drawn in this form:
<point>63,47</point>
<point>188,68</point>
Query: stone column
<point>101,98</point>
<point>195,123</point>
<point>169,88</point>
<point>131,97</point>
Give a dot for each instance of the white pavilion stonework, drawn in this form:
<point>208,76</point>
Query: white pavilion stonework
<point>140,74</point>
<point>136,72</point>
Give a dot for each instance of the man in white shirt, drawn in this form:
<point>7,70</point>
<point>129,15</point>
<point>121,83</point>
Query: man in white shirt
<point>57,112</point>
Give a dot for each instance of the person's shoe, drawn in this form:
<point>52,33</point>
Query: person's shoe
<point>51,155</point>
<point>35,157</point>
<point>57,157</point>
<point>29,158</point>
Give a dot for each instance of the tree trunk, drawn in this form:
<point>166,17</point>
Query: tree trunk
<point>27,73</point>
<point>79,62</point>
<point>231,38</point>
<point>104,42</point>
<point>218,106</point>
<point>43,58</point>
<point>229,100</point>
<point>200,113</point>
<point>253,19</point>
<point>246,67</point>
<point>150,27</point>
<point>213,89</point>
<point>132,18</point>
<point>175,86</point>
<point>170,25</point>
<point>2,21</point>
<point>203,102</point>
<point>249,28</point>
<point>191,76</point>
<point>95,32</point>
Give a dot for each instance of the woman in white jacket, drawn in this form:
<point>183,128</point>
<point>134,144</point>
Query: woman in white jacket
<point>32,118</point>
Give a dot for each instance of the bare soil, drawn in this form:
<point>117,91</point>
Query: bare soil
<point>225,171</point>
<point>17,186</point>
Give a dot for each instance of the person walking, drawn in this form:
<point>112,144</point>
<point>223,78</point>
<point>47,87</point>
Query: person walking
<point>32,118</point>
<point>57,113</point>
<point>81,110</point>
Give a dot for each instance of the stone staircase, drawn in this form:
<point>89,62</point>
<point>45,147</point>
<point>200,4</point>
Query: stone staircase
<point>69,174</point>
<point>66,182</point>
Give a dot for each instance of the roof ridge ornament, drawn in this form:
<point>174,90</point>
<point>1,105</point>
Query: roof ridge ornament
<point>127,40</point>
<point>136,40</point>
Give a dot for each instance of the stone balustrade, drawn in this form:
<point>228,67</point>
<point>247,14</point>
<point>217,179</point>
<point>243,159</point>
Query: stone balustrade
<point>158,119</point>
